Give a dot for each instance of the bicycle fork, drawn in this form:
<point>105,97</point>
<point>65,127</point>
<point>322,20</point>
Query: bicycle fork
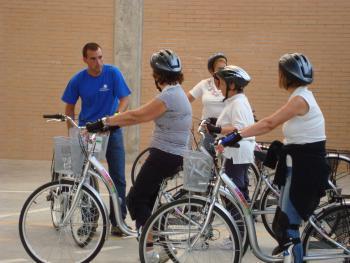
<point>209,213</point>
<point>76,193</point>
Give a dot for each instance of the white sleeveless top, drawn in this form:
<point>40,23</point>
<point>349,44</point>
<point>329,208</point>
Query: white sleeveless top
<point>308,128</point>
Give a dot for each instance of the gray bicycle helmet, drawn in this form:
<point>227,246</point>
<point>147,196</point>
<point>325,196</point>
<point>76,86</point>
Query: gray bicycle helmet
<point>297,65</point>
<point>212,59</point>
<point>234,74</point>
<point>166,60</point>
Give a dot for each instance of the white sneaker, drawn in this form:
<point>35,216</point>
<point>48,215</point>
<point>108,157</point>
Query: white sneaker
<point>164,256</point>
<point>227,244</point>
<point>152,257</point>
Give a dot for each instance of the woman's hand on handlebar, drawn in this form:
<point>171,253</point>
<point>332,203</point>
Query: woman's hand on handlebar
<point>231,139</point>
<point>212,128</point>
<point>99,126</point>
<point>96,126</point>
<point>208,125</point>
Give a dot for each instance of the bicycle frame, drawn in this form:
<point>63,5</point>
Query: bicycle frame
<point>100,173</point>
<point>247,212</point>
<point>113,193</point>
<point>263,178</point>
<point>104,176</point>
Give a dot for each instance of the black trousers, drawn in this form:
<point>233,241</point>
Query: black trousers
<point>158,166</point>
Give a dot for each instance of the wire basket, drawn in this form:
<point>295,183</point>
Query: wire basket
<point>70,156</point>
<point>197,167</point>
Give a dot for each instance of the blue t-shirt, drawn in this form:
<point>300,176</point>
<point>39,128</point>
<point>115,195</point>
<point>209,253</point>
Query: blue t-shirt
<point>99,95</point>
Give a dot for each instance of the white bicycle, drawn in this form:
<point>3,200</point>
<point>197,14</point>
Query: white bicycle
<point>66,220</point>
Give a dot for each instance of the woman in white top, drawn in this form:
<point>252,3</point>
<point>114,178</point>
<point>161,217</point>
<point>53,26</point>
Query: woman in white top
<point>302,171</point>
<point>212,98</point>
<point>236,115</point>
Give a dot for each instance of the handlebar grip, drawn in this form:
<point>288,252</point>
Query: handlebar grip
<point>57,116</point>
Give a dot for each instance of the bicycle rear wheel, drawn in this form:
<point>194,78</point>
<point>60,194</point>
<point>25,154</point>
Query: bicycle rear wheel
<point>86,228</point>
<point>169,232</point>
<point>340,171</point>
<point>335,221</point>
<point>268,204</point>
<point>139,161</point>
<point>253,179</point>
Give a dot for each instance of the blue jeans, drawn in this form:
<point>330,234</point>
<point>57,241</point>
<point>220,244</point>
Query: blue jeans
<point>239,175</point>
<point>116,165</point>
<point>293,216</point>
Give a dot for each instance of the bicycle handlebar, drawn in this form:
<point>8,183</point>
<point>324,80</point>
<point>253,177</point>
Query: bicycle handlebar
<point>57,116</point>
<point>230,140</point>
<point>61,117</point>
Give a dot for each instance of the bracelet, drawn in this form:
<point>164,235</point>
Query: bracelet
<point>104,121</point>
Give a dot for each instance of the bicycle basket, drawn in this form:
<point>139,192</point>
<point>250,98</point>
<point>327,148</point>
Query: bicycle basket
<point>69,155</point>
<point>197,167</point>
<point>69,158</point>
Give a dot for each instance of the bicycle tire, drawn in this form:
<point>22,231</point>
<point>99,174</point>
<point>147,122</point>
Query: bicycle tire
<point>39,241</point>
<point>269,202</point>
<point>136,166</point>
<point>253,179</point>
<point>177,218</point>
<point>335,221</point>
<point>238,217</point>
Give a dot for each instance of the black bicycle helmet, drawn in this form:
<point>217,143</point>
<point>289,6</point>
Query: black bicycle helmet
<point>166,60</point>
<point>212,59</point>
<point>233,74</point>
<point>297,65</point>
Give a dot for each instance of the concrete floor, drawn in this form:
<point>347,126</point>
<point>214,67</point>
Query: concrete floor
<point>20,177</point>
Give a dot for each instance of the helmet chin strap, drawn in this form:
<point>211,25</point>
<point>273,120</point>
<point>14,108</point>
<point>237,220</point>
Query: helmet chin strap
<point>157,85</point>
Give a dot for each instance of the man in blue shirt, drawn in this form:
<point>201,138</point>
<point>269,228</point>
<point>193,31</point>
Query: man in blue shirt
<point>103,92</point>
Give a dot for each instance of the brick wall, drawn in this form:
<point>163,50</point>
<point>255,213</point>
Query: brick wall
<point>41,41</point>
<point>254,34</point>
<point>41,45</point>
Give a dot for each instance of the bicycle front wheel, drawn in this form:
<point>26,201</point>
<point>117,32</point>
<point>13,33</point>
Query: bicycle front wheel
<point>335,222</point>
<point>174,232</point>
<point>48,242</point>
